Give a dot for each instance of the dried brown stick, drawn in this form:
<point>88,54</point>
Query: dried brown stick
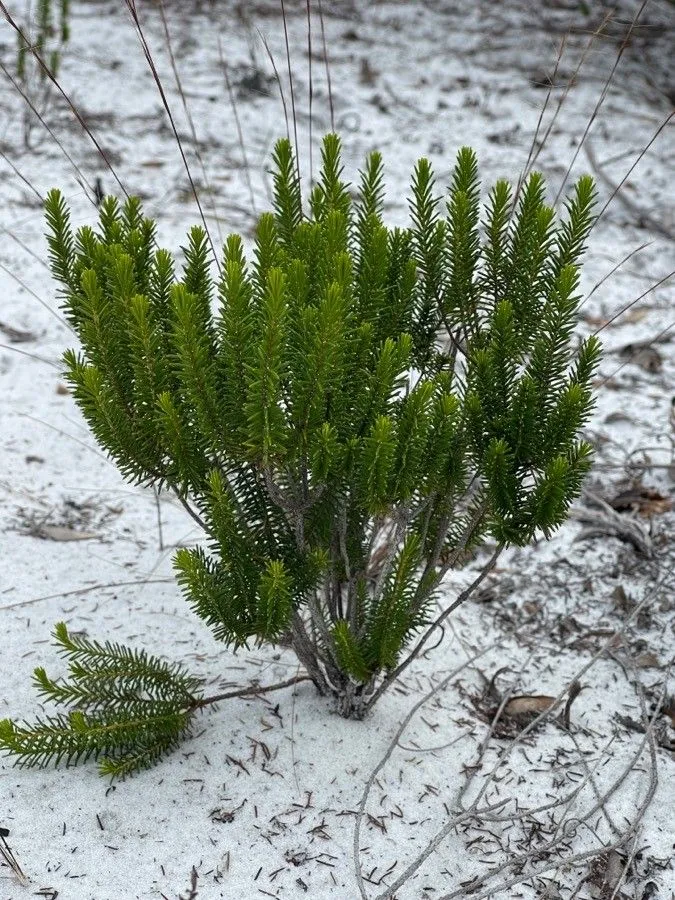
<point>614,269</point>
<point>632,303</point>
<point>35,356</point>
<point>250,691</point>
<point>19,174</point>
<point>78,592</point>
<point>615,189</point>
<point>570,82</point>
<point>8,855</point>
<point>529,161</point>
<point>311,85</point>
<point>605,520</point>
<point>39,299</point>
<point>632,830</point>
<point>521,859</point>
<point>394,743</point>
<point>577,677</point>
<point>278,80</point>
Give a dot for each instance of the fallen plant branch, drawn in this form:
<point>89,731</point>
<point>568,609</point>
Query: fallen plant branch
<point>603,521</point>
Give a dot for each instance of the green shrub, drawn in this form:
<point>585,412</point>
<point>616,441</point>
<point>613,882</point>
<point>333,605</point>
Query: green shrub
<point>347,415</point>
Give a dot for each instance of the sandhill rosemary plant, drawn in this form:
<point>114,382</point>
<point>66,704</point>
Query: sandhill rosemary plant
<point>347,416</point>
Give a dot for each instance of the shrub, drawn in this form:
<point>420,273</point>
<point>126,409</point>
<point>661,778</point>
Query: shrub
<point>348,416</point>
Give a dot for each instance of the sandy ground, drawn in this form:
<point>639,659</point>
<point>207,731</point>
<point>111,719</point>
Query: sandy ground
<point>264,800</point>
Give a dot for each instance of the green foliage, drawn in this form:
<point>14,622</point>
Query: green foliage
<point>49,33</point>
<point>127,709</point>
<point>348,414</point>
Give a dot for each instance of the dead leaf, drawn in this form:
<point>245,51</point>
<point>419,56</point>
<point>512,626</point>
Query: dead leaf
<point>532,607</point>
<point>635,315</point>
<point>617,417</point>
<point>226,816</point>
<point>643,355</point>
<point>63,533</point>
<point>17,335</point>
<point>594,321</point>
<point>62,389</point>
<point>643,500</point>
<point>647,660</point>
<point>669,709</point>
<point>367,74</point>
<point>528,705</point>
<point>621,599</point>
<point>606,872</point>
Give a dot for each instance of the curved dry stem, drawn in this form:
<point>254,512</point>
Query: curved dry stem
<point>474,811</point>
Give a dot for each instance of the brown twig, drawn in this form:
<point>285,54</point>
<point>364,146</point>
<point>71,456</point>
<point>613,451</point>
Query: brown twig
<point>8,855</point>
<point>570,82</point>
<point>311,85</point>
<point>251,691</point>
<point>635,355</point>
<point>611,272</point>
<point>39,299</point>
<point>625,308</point>
<point>78,592</point>
<point>474,810</point>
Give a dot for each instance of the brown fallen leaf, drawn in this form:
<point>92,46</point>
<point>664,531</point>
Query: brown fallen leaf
<point>643,500</point>
<point>647,660</point>
<point>17,335</point>
<point>528,705</point>
<point>669,708</point>
<point>532,607</point>
<point>617,416</point>
<point>643,355</point>
<point>635,315</point>
<point>621,599</point>
<point>606,873</point>
<point>594,321</point>
<point>63,533</point>
<point>62,389</point>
